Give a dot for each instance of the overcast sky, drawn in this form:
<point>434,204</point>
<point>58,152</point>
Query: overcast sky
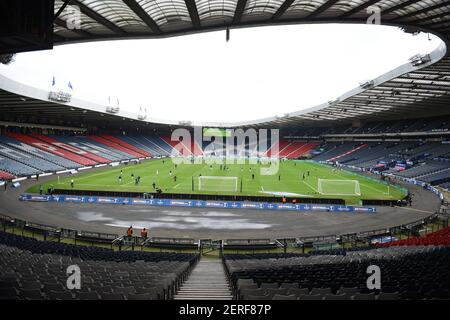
<point>260,72</point>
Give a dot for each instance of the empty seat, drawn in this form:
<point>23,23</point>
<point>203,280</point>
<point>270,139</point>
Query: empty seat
<point>141,296</point>
<point>112,296</point>
<point>258,298</point>
<point>388,296</point>
<point>63,295</point>
<point>269,286</point>
<point>86,296</point>
<point>32,294</point>
<point>8,293</point>
<point>34,285</point>
<point>125,290</point>
<point>362,296</point>
<point>284,297</point>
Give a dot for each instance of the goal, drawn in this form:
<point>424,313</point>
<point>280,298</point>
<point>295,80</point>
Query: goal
<point>217,183</point>
<point>338,187</point>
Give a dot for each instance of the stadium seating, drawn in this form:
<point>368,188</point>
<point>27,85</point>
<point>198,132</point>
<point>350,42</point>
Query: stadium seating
<point>70,148</point>
<point>124,144</point>
<point>114,145</point>
<point>336,277</point>
<point>52,149</point>
<point>16,168</point>
<point>5,175</point>
<point>153,145</point>
<point>441,237</point>
<point>180,147</point>
<point>28,159</point>
<point>35,270</point>
<point>95,147</point>
<point>38,153</point>
<point>425,161</point>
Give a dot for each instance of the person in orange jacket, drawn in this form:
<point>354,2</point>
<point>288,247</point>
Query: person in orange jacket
<point>144,233</point>
<point>130,231</point>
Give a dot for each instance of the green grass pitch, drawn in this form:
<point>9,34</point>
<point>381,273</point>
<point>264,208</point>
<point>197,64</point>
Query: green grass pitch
<point>288,181</point>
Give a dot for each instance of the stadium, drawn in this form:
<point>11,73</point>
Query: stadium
<point>99,203</point>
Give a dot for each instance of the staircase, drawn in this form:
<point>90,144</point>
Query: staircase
<point>206,282</point>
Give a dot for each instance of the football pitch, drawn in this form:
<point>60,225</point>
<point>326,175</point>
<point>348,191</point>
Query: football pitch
<point>294,178</point>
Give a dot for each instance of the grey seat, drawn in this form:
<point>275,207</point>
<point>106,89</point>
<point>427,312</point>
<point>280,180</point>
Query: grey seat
<point>86,295</point>
<point>321,291</point>
<point>8,293</point>
<point>337,297</point>
<point>124,290</point>
<point>311,297</point>
<point>63,295</point>
<point>32,294</point>
<point>253,292</point>
<point>269,286</point>
<point>299,291</point>
<point>388,296</point>
<point>112,296</point>
<point>362,296</point>
<point>272,291</point>
<point>289,286</point>
<point>284,297</point>
<point>31,285</point>
<point>258,298</point>
<point>53,287</point>
<point>141,296</point>
<point>244,282</point>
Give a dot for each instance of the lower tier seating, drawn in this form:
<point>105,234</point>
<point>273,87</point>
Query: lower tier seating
<point>415,272</point>
<point>35,270</point>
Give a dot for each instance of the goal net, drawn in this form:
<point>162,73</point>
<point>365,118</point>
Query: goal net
<point>216,183</point>
<point>338,187</point>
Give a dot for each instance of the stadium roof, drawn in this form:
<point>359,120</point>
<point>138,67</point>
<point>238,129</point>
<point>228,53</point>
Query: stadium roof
<point>417,89</point>
<point>116,19</point>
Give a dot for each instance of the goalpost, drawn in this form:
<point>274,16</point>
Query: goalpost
<point>218,183</point>
<point>338,187</point>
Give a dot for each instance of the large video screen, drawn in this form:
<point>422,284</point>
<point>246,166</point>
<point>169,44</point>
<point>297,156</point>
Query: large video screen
<point>216,132</point>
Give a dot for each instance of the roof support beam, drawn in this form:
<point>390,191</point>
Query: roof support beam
<point>193,13</point>
<point>239,11</point>
<point>399,6</point>
<point>358,8</point>
<point>282,9</point>
<point>97,17</point>
<point>57,14</point>
<point>442,15</point>
<point>327,5</point>
<point>143,15</point>
<point>425,10</point>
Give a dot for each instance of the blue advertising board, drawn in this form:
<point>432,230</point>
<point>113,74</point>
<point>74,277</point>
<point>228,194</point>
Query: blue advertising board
<point>198,203</point>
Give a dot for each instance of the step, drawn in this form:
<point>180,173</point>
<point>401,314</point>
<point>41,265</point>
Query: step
<point>206,282</point>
